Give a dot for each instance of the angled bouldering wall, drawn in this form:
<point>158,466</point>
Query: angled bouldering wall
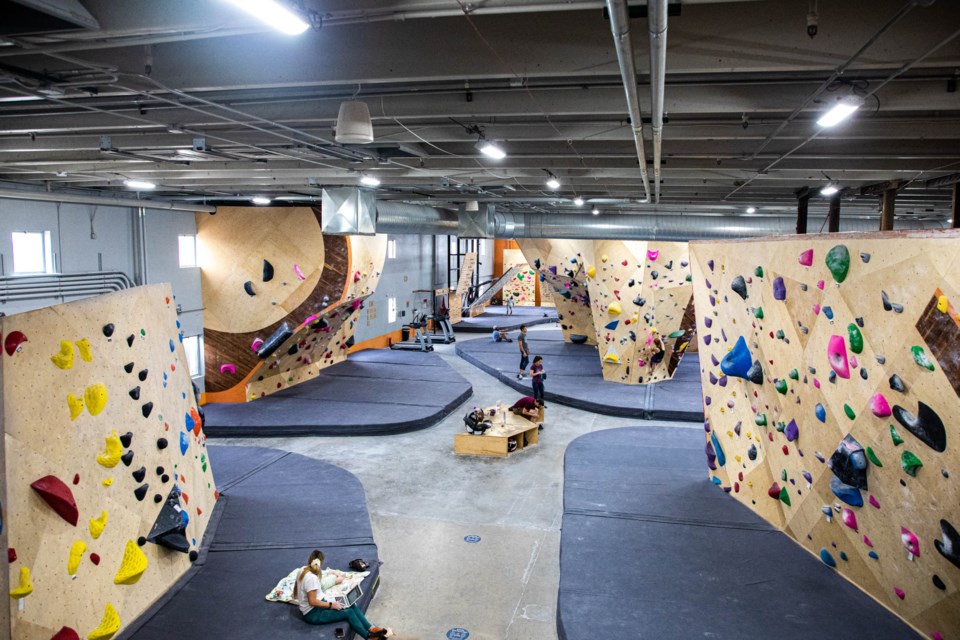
<point>521,287</point>
<point>633,299</point>
<point>831,374</point>
<point>109,488</point>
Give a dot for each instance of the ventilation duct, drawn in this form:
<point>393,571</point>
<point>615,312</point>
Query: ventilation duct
<point>348,211</point>
<point>415,219</point>
<point>44,16</point>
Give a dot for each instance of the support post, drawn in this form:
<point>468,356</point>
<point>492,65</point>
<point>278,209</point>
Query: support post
<point>955,208</point>
<point>802,214</point>
<point>833,214</point>
<point>889,205</point>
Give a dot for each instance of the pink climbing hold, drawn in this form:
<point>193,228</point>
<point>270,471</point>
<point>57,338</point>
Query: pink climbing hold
<point>867,542</point>
<point>837,355</point>
<point>356,304</point>
<point>899,592</point>
<point>806,258</point>
<point>879,406</point>
<point>256,344</point>
<point>820,285</point>
<point>849,518</point>
<point>874,503</point>
<point>816,383</point>
<point>910,543</point>
<point>816,309</point>
<point>356,277</point>
<point>58,495</point>
<point>653,255</point>
<point>296,270</point>
<point>854,363</point>
<point>936,635</point>
<point>228,368</point>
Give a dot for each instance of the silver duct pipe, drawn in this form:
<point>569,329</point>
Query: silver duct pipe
<point>53,196</point>
<point>657,28</point>
<point>620,27</point>
<point>415,219</point>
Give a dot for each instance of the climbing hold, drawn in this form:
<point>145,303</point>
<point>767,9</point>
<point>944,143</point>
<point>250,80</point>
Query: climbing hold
<point>896,383</point>
<point>838,262</point>
<point>755,373</point>
<point>267,271</point>
<point>108,329</point>
<point>820,412</point>
<point>591,271</point>
<point>64,358</point>
<point>738,360</point>
<point>142,375</point>
<point>169,529</point>
<point>758,313</point>
<point>132,566</point>
<point>856,338</point>
<point>95,398</point>
<point>926,425</point>
<point>126,439</point>
<point>760,420</point>
<point>781,386</point>
<point>721,457</point>
<point>146,409</point>
<point>272,343</point>
<point>827,559</point>
<point>97,525</point>
<point>872,457</point>
<point>752,452</point>
<point>879,405</point>
<point>612,357</point>
<point>112,452</point>
<point>184,442</point>
<point>895,436</point>
<point>849,463</point>
<point>779,289</point>
<point>161,443</point>
<point>849,412</point>
<point>130,339</point>
<point>141,492</point>
<point>849,518</point>
<point>59,496</point>
<point>910,463</point>
<point>910,543</point>
<point>13,341</point>
<point>837,356</point>
<point>76,406</point>
<point>792,431</point>
<point>614,308</point>
<point>739,287</point>
<point>942,304</point>
<point>806,258</point>
<point>774,491</point>
<point>920,357</point>
<point>140,474</point>
<point>784,496</point>
<point>109,625</point>
<point>24,585</point>
<point>846,493</point>
<point>899,592</point>
<point>949,547</point>
<point>248,287</point>
<point>299,272</point>
<point>83,346</point>
<point>77,550</point>
<point>711,455</point>
<point>66,633</point>
<point>939,583</point>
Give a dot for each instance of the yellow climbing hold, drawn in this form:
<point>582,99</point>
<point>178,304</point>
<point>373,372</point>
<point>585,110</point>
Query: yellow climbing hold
<point>111,455</point>
<point>612,357</point>
<point>76,554</point>
<point>942,304</point>
<point>97,525</point>
<point>108,482</point>
<point>591,272</point>
<point>25,587</point>
<point>96,398</point>
<point>109,625</point>
<point>64,359</point>
<point>604,258</point>
<point>614,308</point>
<point>85,353</point>
<point>133,565</point>
<point>76,406</point>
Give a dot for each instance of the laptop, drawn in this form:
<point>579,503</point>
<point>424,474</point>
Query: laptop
<point>352,596</point>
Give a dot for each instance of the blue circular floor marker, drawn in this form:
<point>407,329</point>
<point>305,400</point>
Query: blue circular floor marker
<point>458,633</point>
<point>471,540</point>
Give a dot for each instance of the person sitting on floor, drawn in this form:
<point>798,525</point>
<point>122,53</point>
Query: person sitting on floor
<point>527,407</point>
<point>309,592</point>
<point>500,335</point>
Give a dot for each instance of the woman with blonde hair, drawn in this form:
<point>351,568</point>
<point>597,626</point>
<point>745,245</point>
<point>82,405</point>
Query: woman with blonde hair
<point>316,610</point>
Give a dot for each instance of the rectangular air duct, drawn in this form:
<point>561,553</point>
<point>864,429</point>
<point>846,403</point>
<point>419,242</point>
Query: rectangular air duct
<point>349,211</point>
<point>44,16</point>
<point>476,224</point>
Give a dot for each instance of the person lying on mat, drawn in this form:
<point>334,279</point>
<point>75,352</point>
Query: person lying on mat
<point>527,407</point>
<point>309,592</point>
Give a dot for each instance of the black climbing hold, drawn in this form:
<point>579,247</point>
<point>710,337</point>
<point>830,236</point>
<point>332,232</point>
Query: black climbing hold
<point>108,330</point>
<point>161,443</point>
<point>945,473</point>
<point>294,348</point>
<point>926,425</point>
<point>881,359</point>
<point>669,266</point>
<point>832,377</point>
<point>128,367</point>
<point>849,463</point>
<point>902,483</point>
<point>140,474</point>
<point>896,383</point>
<point>803,286</point>
<point>633,336</point>
<point>752,452</point>
<point>859,322</point>
<point>755,373</point>
<point>639,301</point>
<point>938,583</point>
<point>141,491</point>
<point>863,372</point>
<point>130,340</point>
<point>146,409</point>
<point>739,286</point>
<point>272,343</point>
<point>135,393</point>
<point>865,257</point>
<point>126,439</point>
<point>248,287</point>
<point>169,529</point>
<point>193,556</point>
<point>141,541</point>
<point>164,478</point>
<point>267,271</point>
<point>127,458</point>
<point>142,375</point>
<point>160,471</point>
<point>631,282</point>
<point>949,547</point>
<point>157,498</point>
<point>654,275</point>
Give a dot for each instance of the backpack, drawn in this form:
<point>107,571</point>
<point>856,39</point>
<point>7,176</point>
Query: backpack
<point>476,422</point>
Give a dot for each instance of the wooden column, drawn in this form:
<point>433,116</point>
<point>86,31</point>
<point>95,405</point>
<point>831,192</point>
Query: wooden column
<point>955,208</point>
<point>833,214</point>
<point>802,203</point>
<point>889,205</point>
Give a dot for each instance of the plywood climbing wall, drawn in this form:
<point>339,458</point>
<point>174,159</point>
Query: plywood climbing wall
<point>105,451</point>
<point>467,268</point>
<point>522,287</point>
<point>639,301</point>
<point>322,339</point>
<point>831,373</point>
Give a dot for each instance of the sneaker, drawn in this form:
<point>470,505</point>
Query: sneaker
<point>539,427</point>
<point>519,376</point>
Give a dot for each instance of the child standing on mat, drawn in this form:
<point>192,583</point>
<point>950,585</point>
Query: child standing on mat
<point>536,378</point>
<point>524,351</point>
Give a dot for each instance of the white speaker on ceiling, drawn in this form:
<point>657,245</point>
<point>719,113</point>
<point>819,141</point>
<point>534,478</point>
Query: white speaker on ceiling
<point>353,123</point>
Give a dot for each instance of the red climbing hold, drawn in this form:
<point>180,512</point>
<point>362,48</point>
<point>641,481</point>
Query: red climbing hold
<point>11,555</point>
<point>13,341</point>
<point>95,558</point>
<point>774,491</point>
<point>66,633</point>
<point>58,495</point>
<point>76,478</point>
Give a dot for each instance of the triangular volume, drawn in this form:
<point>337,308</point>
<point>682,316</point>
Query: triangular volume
<point>169,529</point>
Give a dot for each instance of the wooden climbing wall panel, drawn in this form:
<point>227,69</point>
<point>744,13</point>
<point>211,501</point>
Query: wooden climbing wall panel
<point>467,268</point>
<point>559,268</point>
<point>322,339</point>
<point>829,368</point>
<point>101,429</point>
<point>522,287</point>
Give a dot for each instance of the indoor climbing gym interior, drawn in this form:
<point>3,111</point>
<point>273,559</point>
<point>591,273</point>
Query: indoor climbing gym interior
<point>480,319</point>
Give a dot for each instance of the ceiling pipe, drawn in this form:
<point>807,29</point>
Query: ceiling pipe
<point>620,27</point>
<point>657,28</point>
<point>53,196</point>
<point>415,219</point>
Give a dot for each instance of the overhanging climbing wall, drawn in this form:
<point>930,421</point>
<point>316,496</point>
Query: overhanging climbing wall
<point>831,374</point>
<point>108,483</point>
<point>639,301</point>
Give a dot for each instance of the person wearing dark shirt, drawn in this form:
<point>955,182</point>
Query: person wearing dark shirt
<point>536,378</point>
<point>527,407</point>
<point>524,351</point>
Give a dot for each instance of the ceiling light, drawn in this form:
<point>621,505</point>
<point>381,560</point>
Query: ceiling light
<point>274,14</point>
<point>595,211</point>
<point>840,111</point>
<point>140,184</point>
<point>578,201</point>
<point>491,150</point>
<point>261,200</point>
<point>370,181</point>
<point>353,123</point>
<point>552,182</point>
<point>751,209</point>
<point>829,190</point>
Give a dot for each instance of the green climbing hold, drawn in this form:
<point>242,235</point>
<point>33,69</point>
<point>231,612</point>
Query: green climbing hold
<point>872,457</point>
<point>784,496</point>
<point>838,261</point>
<point>783,475</point>
<point>758,313</point>
<point>689,279</point>
<point>920,357</point>
<point>780,334</point>
<point>794,375</point>
<point>761,420</point>
<point>781,386</point>
<point>897,440</point>
<point>781,426</point>
<point>676,334</point>
<point>850,414</point>
<point>758,272</point>
<point>856,338</point>
<point>910,463</point>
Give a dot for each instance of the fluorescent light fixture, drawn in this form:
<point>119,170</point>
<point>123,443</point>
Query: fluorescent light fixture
<point>370,181</point>
<point>261,200</point>
<point>751,209</point>
<point>578,201</point>
<point>829,190</point>
<point>140,184</point>
<point>595,211</point>
<point>274,14</point>
<point>491,150</point>
<point>553,183</point>
<point>840,112</point>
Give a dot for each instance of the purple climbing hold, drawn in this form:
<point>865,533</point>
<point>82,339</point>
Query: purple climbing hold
<point>711,456</point>
<point>874,503</point>
<point>779,289</point>
<point>792,431</point>
<point>808,477</point>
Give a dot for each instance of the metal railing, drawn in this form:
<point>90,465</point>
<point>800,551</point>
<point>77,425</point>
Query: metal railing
<point>61,285</point>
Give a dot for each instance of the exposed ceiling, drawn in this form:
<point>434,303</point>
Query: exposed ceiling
<point>194,95</point>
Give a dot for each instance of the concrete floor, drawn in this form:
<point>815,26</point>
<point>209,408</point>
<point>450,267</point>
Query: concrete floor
<point>424,501</point>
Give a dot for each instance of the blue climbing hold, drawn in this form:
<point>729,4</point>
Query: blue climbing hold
<point>738,361</point>
<point>845,492</point>
<point>185,444</point>
<point>820,412</point>
<point>843,556</point>
<point>190,423</point>
<point>721,458</point>
<point>715,480</point>
<point>827,558</point>
<point>173,347</point>
<point>612,325</point>
<point>828,311</point>
<point>873,554</point>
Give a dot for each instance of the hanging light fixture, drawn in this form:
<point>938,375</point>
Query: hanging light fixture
<point>840,111</point>
<point>829,189</point>
<point>595,211</point>
<point>578,201</point>
<point>552,182</point>
<point>353,123</point>
<point>260,200</point>
<point>751,209</point>
<point>370,181</point>
<point>140,185</point>
<point>274,14</point>
<point>490,150</point>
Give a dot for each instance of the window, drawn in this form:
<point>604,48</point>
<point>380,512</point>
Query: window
<point>188,251</point>
<point>32,252</point>
<point>193,346</point>
<point>391,249</point>
<point>483,247</point>
<point>391,310</point>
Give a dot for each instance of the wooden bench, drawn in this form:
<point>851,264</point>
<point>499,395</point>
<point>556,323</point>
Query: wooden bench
<point>495,441</point>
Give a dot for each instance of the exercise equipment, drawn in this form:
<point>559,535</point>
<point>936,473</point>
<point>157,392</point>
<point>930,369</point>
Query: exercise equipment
<point>421,339</point>
<point>441,323</point>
